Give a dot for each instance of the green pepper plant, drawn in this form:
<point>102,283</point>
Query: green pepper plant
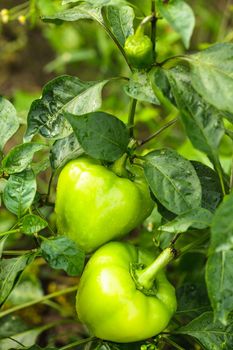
<point>143,233</point>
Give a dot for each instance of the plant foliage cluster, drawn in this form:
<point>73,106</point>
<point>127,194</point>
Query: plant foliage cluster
<point>193,199</point>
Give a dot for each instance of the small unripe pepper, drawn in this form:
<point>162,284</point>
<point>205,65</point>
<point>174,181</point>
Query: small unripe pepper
<point>139,49</point>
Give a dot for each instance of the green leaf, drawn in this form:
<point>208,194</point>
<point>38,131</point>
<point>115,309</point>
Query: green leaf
<point>63,253</point>
<point>211,75</point>
<point>219,273</point>
<point>180,16</point>
<point>212,335</point>
<point>10,273</point>
<point>27,338</point>
<point>203,123</point>
<point>63,94</point>
<point>210,184</point>
<point>219,277</point>
<point>173,180</point>
<point>9,122</point>
<point>120,20</point>
<point>20,157</point>
<point>139,87</point>
<point>99,3</point>
<point>19,192</point>
<point>82,11</point>
<point>101,135</point>
<point>198,218</point>
<point>32,224</point>
<point>10,325</point>
<point>192,300</point>
<point>64,150</point>
<point>222,227</point>
<point>27,290</point>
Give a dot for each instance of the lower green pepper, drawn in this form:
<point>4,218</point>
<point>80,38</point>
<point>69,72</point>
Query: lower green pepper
<point>124,295</point>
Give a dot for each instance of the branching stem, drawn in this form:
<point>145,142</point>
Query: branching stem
<point>40,300</point>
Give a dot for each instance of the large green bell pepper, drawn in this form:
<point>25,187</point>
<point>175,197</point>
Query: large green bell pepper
<point>124,296</point>
<point>94,205</point>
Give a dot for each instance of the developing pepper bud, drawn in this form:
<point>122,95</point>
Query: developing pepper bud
<point>139,49</point>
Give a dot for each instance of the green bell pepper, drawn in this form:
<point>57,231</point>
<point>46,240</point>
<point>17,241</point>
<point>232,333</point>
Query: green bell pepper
<point>94,205</point>
<point>124,295</point>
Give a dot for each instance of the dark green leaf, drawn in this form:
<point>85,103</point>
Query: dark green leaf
<point>210,184</point>
<point>161,87</point>
<point>219,280</point>
<point>63,94</point>
<point>98,2</point>
<point>211,75</point>
<point>27,338</point>
<point>120,20</point>
<point>198,218</point>
<point>173,180</point>
<point>101,135</point>
<point>203,123</point>
<point>63,253</point>
<point>41,166</point>
<point>192,300</point>
<point>139,87</point>
<point>26,290</point>
<point>82,11</point>
<point>64,150</point>
<point>20,157</point>
<point>219,272</point>
<point>180,16</point>
<point>10,273</point>
<point>19,192</point>
<point>32,224</point>
<point>222,226</point>
<point>10,325</point>
<point>212,335</point>
<point>9,122</point>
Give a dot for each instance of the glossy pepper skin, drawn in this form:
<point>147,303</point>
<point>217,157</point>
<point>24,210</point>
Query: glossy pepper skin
<point>94,205</point>
<point>109,303</point>
<point>139,50</point>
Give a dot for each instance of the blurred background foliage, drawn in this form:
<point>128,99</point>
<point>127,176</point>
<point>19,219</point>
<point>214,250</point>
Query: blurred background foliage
<point>31,54</point>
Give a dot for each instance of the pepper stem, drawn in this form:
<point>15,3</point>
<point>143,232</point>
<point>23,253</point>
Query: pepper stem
<point>119,166</point>
<point>146,277</point>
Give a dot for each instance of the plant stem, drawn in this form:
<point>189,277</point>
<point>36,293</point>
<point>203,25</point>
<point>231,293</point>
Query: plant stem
<point>118,166</point>
<point>171,342</point>
<point>158,132</point>
<point>40,300</point>
<point>17,252</point>
<point>153,25</point>
<point>146,20</point>
<point>219,170</point>
<point>9,232</point>
<point>131,116</point>
<point>49,187</point>
<point>192,244</point>
<point>77,343</point>
<point>146,276</point>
